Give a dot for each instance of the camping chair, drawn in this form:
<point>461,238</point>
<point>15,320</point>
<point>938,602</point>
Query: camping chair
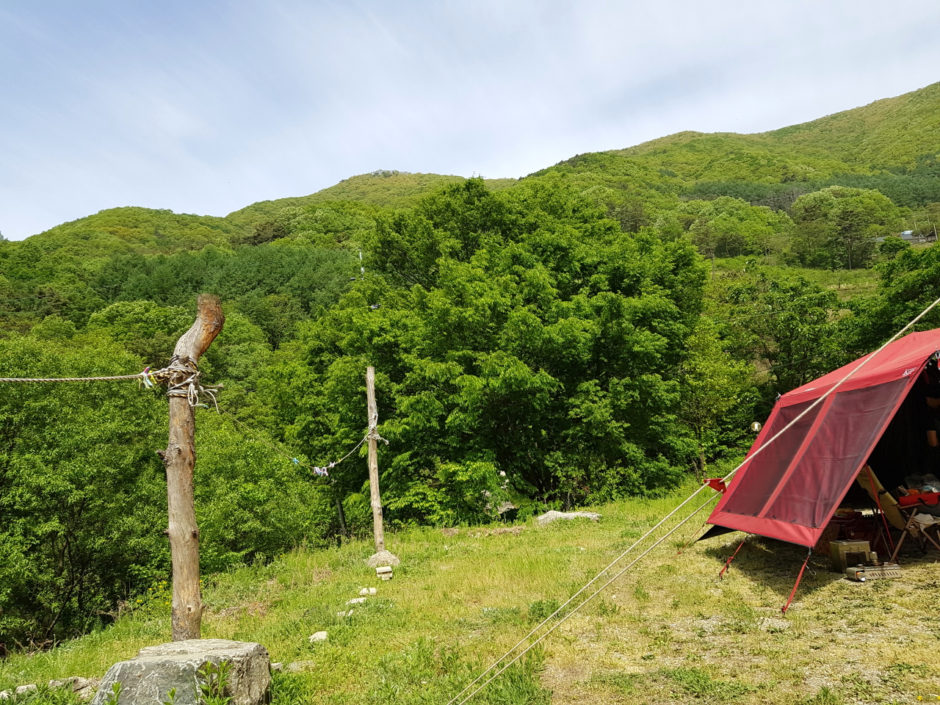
<point>906,516</point>
<point>923,527</point>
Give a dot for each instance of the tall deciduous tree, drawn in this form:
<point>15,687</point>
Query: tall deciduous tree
<point>517,332</point>
<point>837,227</point>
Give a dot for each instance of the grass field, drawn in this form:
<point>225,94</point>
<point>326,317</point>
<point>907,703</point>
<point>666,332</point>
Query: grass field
<point>667,631</point>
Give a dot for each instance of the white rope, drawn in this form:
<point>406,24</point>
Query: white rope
<point>586,586</point>
<point>140,376</point>
<point>726,478</point>
<point>180,376</point>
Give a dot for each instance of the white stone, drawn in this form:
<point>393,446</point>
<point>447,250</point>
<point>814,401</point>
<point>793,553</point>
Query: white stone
<point>382,558</point>
<point>356,601</point>
<point>368,591</point>
<point>5,695</point>
<point>24,689</point>
<point>317,636</point>
<point>345,614</point>
<point>549,517</point>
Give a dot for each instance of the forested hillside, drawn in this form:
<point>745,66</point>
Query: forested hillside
<point>601,328</point>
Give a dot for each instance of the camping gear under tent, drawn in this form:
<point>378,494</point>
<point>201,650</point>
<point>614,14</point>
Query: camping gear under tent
<point>791,489</point>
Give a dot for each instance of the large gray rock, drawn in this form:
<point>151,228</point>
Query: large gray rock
<point>147,679</point>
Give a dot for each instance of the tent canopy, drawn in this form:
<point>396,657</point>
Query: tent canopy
<point>791,489</point>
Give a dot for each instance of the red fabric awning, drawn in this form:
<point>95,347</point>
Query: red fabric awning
<point>793,487</point>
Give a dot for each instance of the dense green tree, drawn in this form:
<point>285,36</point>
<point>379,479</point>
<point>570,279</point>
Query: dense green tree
<point>785,326</point>
<point>82,491</point>
<point>719,393</point>
<point>837,226</point>
<point>728,227</point>
<point>519,333</point>
<point>908,284</point>
<point>82,503</point>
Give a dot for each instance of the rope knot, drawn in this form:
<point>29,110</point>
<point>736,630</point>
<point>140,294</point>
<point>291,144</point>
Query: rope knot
<point>182,379</point>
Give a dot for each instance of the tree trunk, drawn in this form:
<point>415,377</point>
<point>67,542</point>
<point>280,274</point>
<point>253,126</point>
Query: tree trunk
<point>377,526</point>
<point>340,514</point>
<point>179,460</point>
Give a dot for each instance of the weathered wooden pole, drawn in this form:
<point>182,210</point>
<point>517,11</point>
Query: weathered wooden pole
<point>179,460</point>
<point>377,527</point>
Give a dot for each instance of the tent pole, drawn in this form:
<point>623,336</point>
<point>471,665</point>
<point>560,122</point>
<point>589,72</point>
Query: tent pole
<point>877,496</point>
<point>731,558</point>
<point>799,577</point>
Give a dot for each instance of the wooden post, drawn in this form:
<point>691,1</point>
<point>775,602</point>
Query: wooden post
<point>377,527</point>
<point>179,460</point>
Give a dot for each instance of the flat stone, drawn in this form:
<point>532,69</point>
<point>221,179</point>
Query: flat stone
<point>5,695</point>
<point>317,636</point>
<point>368,591</point>
<point>300,666</point>
<point>24,689</point>
<point>356,601</point>
<point>549,517</point>
<point>148,678</point>
<point>85,688</point>
<point>382,558</point>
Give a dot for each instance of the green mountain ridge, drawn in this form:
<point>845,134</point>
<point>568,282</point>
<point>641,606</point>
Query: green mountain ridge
<point>378,188</point>
<point>888,133</point>
<point>871,146</point>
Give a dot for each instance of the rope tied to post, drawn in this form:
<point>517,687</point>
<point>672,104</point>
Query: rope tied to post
<point>182,380</point>
<point>181,376</point>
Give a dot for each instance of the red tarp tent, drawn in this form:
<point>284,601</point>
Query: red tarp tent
<point>793,487</point>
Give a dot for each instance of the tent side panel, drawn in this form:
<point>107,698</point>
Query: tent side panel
<point>755,483</point>
<point>843,441</point>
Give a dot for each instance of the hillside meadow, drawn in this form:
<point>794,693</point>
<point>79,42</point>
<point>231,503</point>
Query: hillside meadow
<point>668,630</point>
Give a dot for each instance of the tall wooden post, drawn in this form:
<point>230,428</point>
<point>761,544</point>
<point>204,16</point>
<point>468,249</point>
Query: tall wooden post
<point>377,527</point>
<point>179,460</point>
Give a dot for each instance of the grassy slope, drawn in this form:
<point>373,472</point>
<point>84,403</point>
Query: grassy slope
<point>383,188</point>
<point>667,631</point>
<point>135,230</point>
<point>886,133</point>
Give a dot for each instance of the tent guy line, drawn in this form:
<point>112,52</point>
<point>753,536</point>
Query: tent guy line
<point>574,609</point>
<point>583,588</point>
<point>726,478</point>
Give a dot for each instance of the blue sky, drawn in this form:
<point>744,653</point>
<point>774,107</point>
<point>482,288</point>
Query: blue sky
<point>205,107</point>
